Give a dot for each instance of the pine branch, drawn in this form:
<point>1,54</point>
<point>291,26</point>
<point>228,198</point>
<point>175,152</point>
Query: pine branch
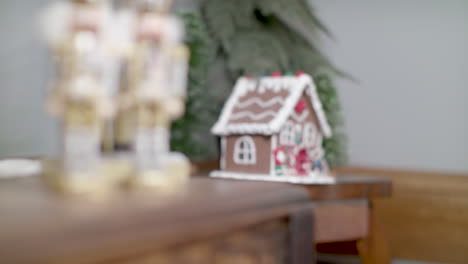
<point>190,134</point>
<point>260,36</point>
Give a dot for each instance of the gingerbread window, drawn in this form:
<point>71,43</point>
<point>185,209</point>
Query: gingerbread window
<point>245,151</point>
<point>287,134</point>
<point>310,134</point>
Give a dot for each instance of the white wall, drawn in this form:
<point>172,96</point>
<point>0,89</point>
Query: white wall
<point>410,109</point>
<point>25,129</point>
<point>25,68</point>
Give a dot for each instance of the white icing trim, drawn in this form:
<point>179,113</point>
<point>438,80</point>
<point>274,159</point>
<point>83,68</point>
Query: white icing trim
<point>309,135</point>
<point>287,134</point>
<point>312,178</point>
<point>288,107</point>
<point>242,86</point>
<point>259,102</point>
<point>300,118</point>
<point>294,84</point>
<point>248,151</point>
<point>317,105</point>
<point>251,115</point>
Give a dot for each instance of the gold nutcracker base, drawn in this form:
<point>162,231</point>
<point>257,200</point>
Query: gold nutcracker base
<point>171,178</point>
<point>111,173</point>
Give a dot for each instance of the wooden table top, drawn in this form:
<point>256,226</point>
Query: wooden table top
<point>347,186</point>
<point>38,226</point>
<point>351,187</point>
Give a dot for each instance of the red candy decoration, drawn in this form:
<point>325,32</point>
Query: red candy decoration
<point>299,73</point>
<point>300,106</point>
<point>302,161</point>
<point>276,74</point>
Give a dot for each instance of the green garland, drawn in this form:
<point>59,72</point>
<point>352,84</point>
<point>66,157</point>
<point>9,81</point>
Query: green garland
<point>335,147</point>
<point>252,37</point>
<point>191,134</point>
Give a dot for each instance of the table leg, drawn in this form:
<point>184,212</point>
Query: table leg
<point>374,249</point>
<point>302,236</point>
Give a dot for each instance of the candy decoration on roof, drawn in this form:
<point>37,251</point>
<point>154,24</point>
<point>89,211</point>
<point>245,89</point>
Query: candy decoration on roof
<point>299,73</point>
<point>300,106</point>
<point>276,74</point>
<point>271,129</point>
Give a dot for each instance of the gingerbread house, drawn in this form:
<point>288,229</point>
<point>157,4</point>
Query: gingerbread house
<point>271,128</point>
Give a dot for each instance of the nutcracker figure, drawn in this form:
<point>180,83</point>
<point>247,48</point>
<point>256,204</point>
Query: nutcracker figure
<point>155,96</point>
<point>79,34</point>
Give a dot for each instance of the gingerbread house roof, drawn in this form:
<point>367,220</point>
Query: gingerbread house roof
<point>263,105</point>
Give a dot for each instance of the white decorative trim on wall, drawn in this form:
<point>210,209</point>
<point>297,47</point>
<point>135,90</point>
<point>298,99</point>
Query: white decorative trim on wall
<point>245,151</point>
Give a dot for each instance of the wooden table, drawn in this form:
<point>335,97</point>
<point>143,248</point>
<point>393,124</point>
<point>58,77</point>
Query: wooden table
<point>212,221</point>
<point>343,212</point>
